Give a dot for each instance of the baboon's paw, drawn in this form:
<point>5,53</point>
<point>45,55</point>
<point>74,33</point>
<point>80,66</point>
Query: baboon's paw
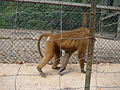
<point>43,75</point>
<point>60,73</point>
<point>41,72</point>
<point>83,71</point>
<point>56,68</point>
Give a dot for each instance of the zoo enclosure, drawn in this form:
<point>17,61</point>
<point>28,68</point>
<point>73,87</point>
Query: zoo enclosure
<point>21,23</point>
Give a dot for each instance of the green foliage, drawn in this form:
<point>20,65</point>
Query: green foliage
<point>40,16</point>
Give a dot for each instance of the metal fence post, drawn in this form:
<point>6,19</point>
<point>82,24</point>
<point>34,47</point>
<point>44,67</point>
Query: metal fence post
<point>84,15</point>
<point>90,46</point>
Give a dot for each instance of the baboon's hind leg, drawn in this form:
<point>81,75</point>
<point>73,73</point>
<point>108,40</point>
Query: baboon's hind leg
<point>49,53</point>
<point>56,61</point>
<point>65,62</point>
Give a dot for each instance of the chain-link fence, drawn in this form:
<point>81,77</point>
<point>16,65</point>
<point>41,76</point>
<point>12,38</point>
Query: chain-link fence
<point>22,22</point>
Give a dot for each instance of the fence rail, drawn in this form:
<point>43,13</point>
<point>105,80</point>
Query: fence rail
<point>66,4</point>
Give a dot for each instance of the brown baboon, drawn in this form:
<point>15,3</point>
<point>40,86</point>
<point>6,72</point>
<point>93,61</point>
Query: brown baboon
<point>69,41</point>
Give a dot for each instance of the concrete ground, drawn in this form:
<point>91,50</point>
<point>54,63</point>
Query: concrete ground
<point>26,77</point>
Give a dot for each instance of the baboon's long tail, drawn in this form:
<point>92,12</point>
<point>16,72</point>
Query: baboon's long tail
<point>39,40</point>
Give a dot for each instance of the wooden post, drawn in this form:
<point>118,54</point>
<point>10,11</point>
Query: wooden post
<point>84,16</point>
<point>118,29</point>
<point>90,46</point>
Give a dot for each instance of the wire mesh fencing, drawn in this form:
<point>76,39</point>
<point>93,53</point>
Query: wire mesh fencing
<point>22,23</point>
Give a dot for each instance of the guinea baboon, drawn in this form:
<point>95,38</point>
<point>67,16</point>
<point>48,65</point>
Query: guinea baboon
<point>69,41</point>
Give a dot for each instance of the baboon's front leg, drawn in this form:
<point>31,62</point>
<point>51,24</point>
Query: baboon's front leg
<point>65,62</point>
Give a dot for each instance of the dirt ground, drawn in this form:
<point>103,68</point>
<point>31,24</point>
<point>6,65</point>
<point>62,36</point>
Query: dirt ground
<point>26,77</point>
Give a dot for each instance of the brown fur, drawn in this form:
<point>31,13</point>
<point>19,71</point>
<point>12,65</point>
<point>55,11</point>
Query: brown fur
<point>69,41</point>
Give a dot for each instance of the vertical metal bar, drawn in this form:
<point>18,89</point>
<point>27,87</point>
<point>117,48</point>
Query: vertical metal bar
<point>90,46</point>
<point>84,16</point>
<point>118,29</point>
